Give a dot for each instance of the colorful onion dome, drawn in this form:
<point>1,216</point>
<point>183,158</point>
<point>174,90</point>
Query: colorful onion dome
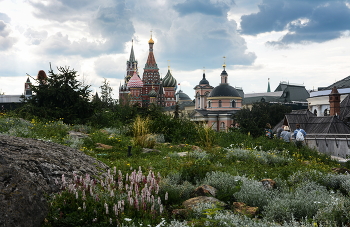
<point>169,80</point>
<point>135,81</point>
<point>152,93</point>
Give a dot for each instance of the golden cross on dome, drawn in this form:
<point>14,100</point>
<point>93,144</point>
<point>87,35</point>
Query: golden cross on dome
<point>203,69</point>
<point>224,65</point>
<point>168,64</point>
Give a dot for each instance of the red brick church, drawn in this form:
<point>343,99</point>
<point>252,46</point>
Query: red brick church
<point>151,88</point>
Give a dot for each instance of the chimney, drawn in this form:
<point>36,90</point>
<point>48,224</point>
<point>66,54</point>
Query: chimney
<point>334,102</point>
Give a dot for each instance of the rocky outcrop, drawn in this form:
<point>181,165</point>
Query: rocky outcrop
<point>193,202</point>
<point>205,190</point>
<point>242,208</point>
<point>28,171</point>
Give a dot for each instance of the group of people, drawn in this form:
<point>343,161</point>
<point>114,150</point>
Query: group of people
<point>285,134</point>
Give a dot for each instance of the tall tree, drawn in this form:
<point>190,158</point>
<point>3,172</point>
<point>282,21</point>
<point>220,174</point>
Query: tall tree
<point>254,120</point>
<point>106,93</point>
<point>61,96</point>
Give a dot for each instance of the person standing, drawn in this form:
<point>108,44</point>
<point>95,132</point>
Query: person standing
<point>268,131</point>
<point>299,135</point>
<point>279,131</point>
<point>286,135</point>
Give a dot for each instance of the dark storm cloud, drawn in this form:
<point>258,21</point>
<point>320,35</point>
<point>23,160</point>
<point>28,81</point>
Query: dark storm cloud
<point>6,41</point>
<point>220,8</point>
<point>305,21</point>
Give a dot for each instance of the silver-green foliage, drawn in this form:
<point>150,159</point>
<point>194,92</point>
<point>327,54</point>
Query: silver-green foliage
<point>263,157</point>
<point>253,193</point>
<point>223,182</point>
<point>305,201</point>
<point>203,155</point>
<point>177,190</point>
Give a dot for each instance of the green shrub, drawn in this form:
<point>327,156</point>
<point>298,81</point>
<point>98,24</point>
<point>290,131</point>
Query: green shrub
<point>178,190</point>
<point>225,183</point>
<point>305,202</point>
<point>253,193</point>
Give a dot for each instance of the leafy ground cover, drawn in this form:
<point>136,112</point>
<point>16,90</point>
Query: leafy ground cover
<point>143,189</point>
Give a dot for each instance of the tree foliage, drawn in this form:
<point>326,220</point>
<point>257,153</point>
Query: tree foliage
<point>61,95</point>
<point>254,120</point>
<point>106,93</point>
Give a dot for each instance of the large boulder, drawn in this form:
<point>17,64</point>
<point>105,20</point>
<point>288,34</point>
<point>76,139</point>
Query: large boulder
<point>28,171</point>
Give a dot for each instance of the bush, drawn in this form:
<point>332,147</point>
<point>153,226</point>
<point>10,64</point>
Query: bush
<point>178,190</point>
<point>253,193</point>
<point>305,202</point>
<point>225,183</point>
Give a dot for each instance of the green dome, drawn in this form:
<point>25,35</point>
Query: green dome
<point>169,80</point>
<point>152,93</point>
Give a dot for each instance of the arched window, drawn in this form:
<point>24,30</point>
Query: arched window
<point>222,126</point>
<point>326,112</point>
<point>315,112</point>
<point>209,104</point>
<point>220,103</point>
<point>198,100</point>
<point>233,103</point>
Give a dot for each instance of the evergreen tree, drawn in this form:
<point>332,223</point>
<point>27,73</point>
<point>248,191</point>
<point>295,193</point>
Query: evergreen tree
<point>106,94</point>
<point>254,120</point>
<point>60,96</point>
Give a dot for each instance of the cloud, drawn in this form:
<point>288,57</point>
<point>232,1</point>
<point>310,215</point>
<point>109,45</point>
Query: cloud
<point>103,67</point>
<point>63,10</point>
<point>6,41</point>
<point>35,37</point>
<point>207,7</point>
<point>184,35</point>
<point>98,30</point>
<point>304,21</point>
<point>192,40</point>
<point>197,41</point>
<point>114,24</point>
<point>4,17</point>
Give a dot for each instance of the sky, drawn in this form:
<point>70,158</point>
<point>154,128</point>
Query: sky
<point>298,41</point>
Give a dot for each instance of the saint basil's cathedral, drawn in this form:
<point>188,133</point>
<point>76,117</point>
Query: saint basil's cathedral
<point>151,88</point>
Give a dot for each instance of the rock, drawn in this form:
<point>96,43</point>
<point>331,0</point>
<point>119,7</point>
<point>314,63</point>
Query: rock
<point>28,170</point>
<point>149,150</point>
<point>242,208</point>
<point>341,170</point>
<point>103,146</point>
<point>193,202</point>
<point>77,135</point>
<point>183,154</point>
<point>268,183</point>
<point>205,190</point>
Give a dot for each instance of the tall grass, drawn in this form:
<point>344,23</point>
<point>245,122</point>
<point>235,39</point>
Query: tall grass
<point>141,133</point>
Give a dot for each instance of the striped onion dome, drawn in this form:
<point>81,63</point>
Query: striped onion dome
<point>169,80</point>
<point>152,93</point>
<point>135,81</point>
